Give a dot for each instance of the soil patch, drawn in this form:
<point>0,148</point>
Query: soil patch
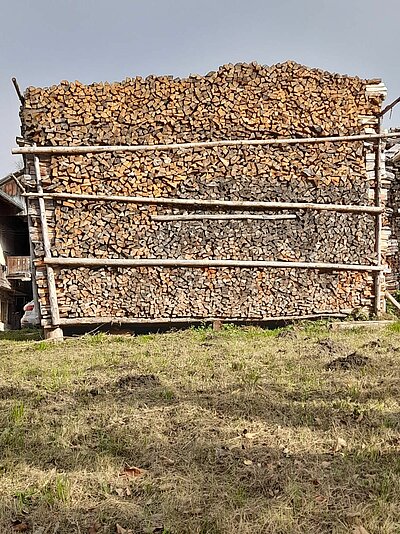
<point>134,381</point>
<point>289,334</point>
<point>332,346</point>
<point>352,361</point>
<point>374,344</point>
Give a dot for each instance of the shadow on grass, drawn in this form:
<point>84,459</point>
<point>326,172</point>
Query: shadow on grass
<point>26,334</point>
<point>322,410</point>
<point>204,474</point>
<point>211,489</point>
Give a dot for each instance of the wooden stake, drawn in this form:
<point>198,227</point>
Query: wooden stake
<point>53,334</point>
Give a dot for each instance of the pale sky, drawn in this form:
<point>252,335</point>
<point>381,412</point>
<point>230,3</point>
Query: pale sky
<point>45,41</point>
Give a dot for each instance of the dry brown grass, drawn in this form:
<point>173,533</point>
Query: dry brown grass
<point>242,430</point>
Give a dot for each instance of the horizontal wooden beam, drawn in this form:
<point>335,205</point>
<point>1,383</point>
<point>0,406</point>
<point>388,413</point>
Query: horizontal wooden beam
<point>150,262</point>
<point>221,217</point>
<point>194,202</point>
<point>84,149</point>
<point>71,321</point>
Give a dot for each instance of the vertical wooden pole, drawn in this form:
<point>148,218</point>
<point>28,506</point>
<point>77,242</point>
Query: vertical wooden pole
<point>379,277</point>
<point>53,332</point>
<point>31,250</point>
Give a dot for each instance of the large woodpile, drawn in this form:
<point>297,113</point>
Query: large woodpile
<point>243,101</point>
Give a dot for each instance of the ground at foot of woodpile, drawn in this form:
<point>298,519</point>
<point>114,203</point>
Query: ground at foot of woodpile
<point>241,430</point>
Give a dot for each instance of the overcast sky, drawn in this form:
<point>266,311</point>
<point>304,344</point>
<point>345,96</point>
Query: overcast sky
<point>45,41</point>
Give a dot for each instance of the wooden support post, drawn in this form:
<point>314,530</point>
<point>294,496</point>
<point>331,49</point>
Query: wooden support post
<point>379,278</point>
<point>51,283</point>
<point>217,325</point>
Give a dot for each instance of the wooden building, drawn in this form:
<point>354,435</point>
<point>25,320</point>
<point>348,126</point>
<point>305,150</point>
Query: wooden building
<point>253,193</point>
<point>15,270</point>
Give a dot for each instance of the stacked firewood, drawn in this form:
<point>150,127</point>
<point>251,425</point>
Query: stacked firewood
<point>393,175</point>
<point>238,101</point>
<point>244,101</point>
<point>157,293</point>
<point>128,231</point>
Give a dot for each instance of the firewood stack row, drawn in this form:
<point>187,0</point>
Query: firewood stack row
<point>392,154</point>
<point>243,101</point>
<point>132,232</point>
<point>157,293</point>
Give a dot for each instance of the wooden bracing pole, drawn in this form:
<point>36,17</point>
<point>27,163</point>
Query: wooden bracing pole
<point>392,300</point>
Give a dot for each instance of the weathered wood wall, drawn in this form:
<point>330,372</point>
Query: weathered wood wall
<point>237,102</point>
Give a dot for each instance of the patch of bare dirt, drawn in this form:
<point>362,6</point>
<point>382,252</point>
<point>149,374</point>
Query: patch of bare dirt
<point>287,333</point>
<point>331,346</point>
<point>354,360</point>
<point>133,381</point>
<point>374,344</point>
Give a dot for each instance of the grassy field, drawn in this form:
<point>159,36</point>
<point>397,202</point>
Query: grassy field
<point>243,430</point>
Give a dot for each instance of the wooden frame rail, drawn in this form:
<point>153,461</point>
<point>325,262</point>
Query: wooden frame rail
<point>221,217</point>
<point>233,204</point>
<point>84,149</point>
<point>168,262</point>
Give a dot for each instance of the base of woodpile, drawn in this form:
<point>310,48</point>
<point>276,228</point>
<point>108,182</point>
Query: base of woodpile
<point>348,325</point>
<point>81,321</point>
